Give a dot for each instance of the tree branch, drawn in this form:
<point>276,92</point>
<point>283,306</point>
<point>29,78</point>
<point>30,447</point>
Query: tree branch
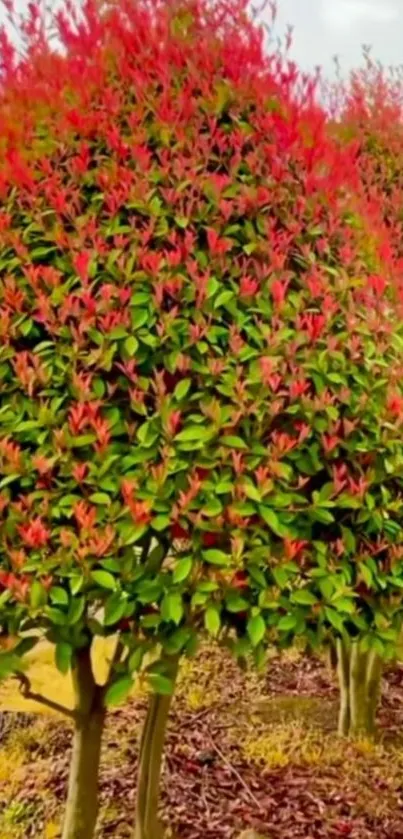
<point>145,549</point>
<point>27,692</point>
<point>116,659</point>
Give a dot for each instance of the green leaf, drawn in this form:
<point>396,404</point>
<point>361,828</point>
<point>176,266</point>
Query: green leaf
<point>104,579</point>
<point>287,622</point>
<point>83,440</point>
<point>149,591</point>
<point>118,691</point>
<point>213,508</point>
<point>114,609</point>
<point>252,492</point>
<point>223,487</point>
<point>56,616</point>
<point>42,250</point>
<point>160,523</point>
<point>207,586</point>
<point>161,684</point>
<point>304,597</point>
<point>9,664</point>
<point>235,603</point>
<point>172,608</point>
<point>151,621</point>
<point>256,629</point>
<point>111,565</point>
<point>366,574</point>
<point>136,659</point>
<point>271,519</point>
<point>117,333</point>
<point>216,557</point>
<point>193,433</point>
<point>69,500</point>
<point>212,620</point>
<point>98,387</point>
<point>327,588</point>
<point>139,318</point>
<point>223,298</point>
<point>212,286</point>
<point>76,610</point>
<point>177,641</point>
<point>26,645</point>
<point>233,442</point>
<point>131,533</point>
<point>76,583</point>
<point>344,604</point>
<point>139,298</point>
<point>5,596</point>
<point>322,515</point>
<point>100,498</point>
<point>38,595</point>
<point>147,434</point>
<point>59,596</point>
<point>183,569</point>
<point>131,345</point>
<point>182,388</point>
<point>63,656</point>
<point>182,221</point>
<point>8,480</point>
<point>155,559</point>
<point>349,540</point>
<point>281,576</point>
<point>335,619</point>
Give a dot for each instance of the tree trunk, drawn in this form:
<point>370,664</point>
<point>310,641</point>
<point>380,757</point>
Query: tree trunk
<point>374,678</point>
<point>360,723</point>
<point>343,672</point>
<point>359,680</point>
<point>152,743</point>
<point>82,799</point>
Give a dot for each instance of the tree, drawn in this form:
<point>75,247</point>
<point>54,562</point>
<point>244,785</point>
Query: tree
<point>368,111</point>
<point>200,396</point>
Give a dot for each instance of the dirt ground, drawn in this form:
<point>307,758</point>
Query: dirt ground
<point>243,751</point>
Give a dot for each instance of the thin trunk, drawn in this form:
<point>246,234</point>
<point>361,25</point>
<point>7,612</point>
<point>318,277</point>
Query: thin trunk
<point>150,762</point>
<point>359,680</point>
<point>343,672</point>
<point>358,691</point>
<point>374,677</point>
<point>82,800</point>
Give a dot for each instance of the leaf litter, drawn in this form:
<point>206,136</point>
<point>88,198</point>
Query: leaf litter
<point>242,752</point>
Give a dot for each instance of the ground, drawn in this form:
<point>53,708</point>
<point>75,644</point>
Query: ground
<point>243,751</point>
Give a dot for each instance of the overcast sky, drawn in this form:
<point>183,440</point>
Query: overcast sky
<point>323,28</point>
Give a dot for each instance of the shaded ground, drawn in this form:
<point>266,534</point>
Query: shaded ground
<point>242,751</point>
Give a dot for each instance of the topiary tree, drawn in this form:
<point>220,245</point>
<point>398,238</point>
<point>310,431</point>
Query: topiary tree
<point>368,111</point>
<point>200,377</point>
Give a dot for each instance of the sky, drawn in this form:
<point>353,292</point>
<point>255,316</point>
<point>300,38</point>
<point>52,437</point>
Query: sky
<point>323,28</point>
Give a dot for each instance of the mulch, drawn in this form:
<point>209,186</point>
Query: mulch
<point>211,790</point>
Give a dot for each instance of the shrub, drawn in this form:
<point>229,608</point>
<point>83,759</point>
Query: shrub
<point>368,108</point>
<point>200,399</point>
